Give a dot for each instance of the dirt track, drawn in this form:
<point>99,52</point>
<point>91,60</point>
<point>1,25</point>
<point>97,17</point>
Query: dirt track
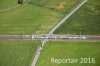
<point>13,8</point>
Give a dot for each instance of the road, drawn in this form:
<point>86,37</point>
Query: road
<point>52,31</point>
<point>27,37</point>
<point>15,37</point>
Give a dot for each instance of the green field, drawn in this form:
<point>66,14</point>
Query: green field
<point>28,20</point>
<point>85,21</point>
<point>31,19</point>
<point>17,53</point>
<point>6,4</point>
<point>57,5</point>
<point>64,50</point>
<point>39,17</point>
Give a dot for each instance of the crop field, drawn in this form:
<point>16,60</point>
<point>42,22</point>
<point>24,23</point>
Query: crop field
<point>30,19</point>
<point>17,53</point>
<point>6,4</point>
<point>39,17</point>
<point>65,50</point>
<point>85,21</point>
<point>57,5</point>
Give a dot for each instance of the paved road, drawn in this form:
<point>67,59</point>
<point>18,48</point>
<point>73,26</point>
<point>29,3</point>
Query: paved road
<point>52,31</point>
<point>27,37</point>
<point>15,37</point>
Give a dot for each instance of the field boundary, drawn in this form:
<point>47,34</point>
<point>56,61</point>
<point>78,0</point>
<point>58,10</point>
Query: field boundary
<point>17,6</point>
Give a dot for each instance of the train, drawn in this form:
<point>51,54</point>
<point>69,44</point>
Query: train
<point>56,37</point>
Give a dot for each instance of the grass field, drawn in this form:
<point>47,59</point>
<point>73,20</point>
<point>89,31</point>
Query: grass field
<point>28,20</point>
<point>86,20</point>
<point>65,50</point>
<point>6,4</point>
<point>58,5</point>
<point>17,53</point>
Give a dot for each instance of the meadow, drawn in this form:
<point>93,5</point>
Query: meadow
<point>31,19</point>
<point>85,21</point>
<point>39,17</point>
<point>17,53</point>
<point>57,5</point>
<point>28,19</point>
<point>6,4</point>
<point>65,50</point>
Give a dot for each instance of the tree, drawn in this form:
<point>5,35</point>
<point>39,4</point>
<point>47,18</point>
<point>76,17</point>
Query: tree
<point>20,1</point>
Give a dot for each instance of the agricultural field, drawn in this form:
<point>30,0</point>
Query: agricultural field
<point>85,21</point>
<point>39,17</point>
<point>17,53</point>
<point>64,50</point>
<point>7,4</point>
<point>28,20</point>
<point>31,19</point>
<point>57,5</point>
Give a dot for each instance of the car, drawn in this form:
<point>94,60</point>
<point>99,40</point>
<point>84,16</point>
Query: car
<point>84,37</point>
<point>32,37</point>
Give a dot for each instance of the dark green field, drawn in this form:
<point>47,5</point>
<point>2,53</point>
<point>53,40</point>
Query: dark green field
<point>85,21</point>
<point>65,50</point>
<point>17,53</point>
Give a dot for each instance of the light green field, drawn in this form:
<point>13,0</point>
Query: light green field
<point>17,53</point>
<point>58,5</point>
<point>6,4</point>
<point>85,21</point>
<point>65,50</point>
<point>28,19</point>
